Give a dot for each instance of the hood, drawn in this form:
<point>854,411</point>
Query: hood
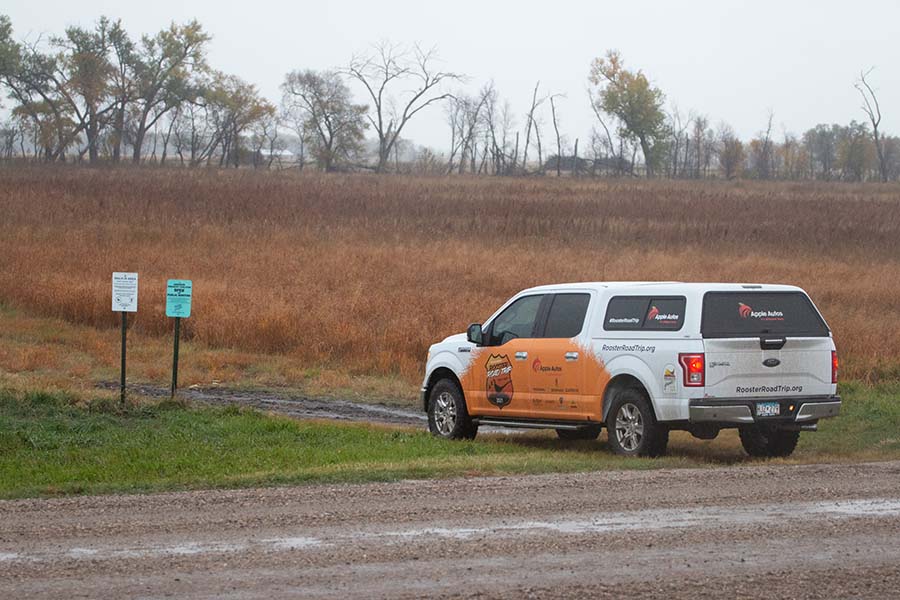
<point>455,338</point>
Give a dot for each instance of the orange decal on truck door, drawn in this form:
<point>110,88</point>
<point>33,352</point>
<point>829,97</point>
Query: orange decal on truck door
<point>537,379</point>
<point>497,380</point>
<point>556,382</point>
<point>499,383</point>
<point>567,381</point>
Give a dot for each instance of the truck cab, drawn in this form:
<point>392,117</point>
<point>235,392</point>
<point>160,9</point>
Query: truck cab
<point>641,359</point>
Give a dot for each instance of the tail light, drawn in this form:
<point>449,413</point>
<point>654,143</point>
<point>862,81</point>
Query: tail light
<point>694,368</point>
<point>834,366</point>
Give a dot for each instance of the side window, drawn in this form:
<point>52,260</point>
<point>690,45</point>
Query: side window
<point>517,321</point>
<point>665,314</point>
<point>625,312</point>
<point>634,313</point>
<point>566,316</point>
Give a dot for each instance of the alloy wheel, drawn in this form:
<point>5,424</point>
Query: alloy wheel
<point>445,413</point>
<point>629,427</point>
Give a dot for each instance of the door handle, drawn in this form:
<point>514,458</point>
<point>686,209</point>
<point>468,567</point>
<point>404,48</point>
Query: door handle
<point>521,355</point>
<point>571,356</point>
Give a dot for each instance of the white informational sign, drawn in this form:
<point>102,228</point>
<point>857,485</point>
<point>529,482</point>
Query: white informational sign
<point>124,292</point>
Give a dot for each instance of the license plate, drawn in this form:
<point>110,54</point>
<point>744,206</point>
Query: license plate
<point>768,409</point>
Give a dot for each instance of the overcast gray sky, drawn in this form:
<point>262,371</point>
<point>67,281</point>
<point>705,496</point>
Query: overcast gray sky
<point>729,60</point>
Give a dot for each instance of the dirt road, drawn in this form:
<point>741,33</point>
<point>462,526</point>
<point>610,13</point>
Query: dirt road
<point>288,404</point>
<point>755,531</point>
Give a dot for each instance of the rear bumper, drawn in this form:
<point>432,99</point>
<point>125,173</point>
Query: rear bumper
<point>742,411</point>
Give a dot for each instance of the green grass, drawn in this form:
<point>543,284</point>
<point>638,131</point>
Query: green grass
<point>869,425</point>
<point>49,444</point>
<point>54,444</point>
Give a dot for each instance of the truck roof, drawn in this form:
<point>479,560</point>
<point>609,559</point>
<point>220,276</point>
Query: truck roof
<point>662,287</point>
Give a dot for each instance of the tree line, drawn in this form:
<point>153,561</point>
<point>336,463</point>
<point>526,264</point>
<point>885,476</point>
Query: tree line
<point>96,95</point>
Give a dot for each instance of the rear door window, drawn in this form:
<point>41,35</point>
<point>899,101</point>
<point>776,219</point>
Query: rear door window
<point>752,314</point>
<point>655,313</point>
<point>565,318</point>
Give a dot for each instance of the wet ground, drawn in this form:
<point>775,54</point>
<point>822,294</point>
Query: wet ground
<point>289,404</point>
<point>763,531</point>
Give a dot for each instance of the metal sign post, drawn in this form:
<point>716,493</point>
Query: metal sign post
<point>178,306</point>
<point>124,300</point>
<point>122,373</point>
<point>175,357</point>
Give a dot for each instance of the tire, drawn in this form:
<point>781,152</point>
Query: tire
<point>448,417</point>
<point>767,442</point>
<point>585,433</point>
<point>632,427</point>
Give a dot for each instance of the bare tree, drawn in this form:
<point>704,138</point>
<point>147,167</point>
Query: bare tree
<point>264,141</point>
<point>334,125</point>
<point>296,122</point>
<point>465,115</point>
<point>531,124</point>
<point>679,146</point>
<point>610,147</point>
<point>761,152</point>
<point>193,131</point>
<point>475,124</point>
<point>558,139</point>
<point>8,136</point>
<point>575,166</point>
<point>384,70</point>
<point>455,110</point>
<point>730,151</point>
<point>499,123</point>
<point>873,111</point>
<point>701,149</point>
<point>788,156</point>
<point>122,84</point>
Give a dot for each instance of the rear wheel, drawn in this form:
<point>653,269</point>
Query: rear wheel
<point>632,426</point>
<point>447,414</point>
<point>768,442</point>
<point>585,433</point>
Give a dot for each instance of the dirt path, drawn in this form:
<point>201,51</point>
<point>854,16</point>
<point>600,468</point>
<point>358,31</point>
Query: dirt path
<point>811,531</point>
<point>291,405</point>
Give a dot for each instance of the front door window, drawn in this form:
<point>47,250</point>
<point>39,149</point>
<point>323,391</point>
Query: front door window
<point>517,321</point>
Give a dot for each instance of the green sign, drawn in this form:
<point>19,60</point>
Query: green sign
<point>178,298</point>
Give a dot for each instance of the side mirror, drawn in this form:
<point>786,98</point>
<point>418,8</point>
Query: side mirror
<point>474,334</point>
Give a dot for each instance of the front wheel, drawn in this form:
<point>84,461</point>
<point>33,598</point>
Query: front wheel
<point>632,427</point>
<point>768,442</point>
<point>447,414</point>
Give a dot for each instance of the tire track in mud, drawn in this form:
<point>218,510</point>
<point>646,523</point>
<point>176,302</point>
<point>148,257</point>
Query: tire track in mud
<point>289,405</point>
<point>648,520</point>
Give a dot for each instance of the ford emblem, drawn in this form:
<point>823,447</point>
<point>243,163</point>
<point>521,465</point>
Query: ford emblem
<point>771,362</point>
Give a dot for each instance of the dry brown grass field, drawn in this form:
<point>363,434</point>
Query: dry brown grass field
<point>361,273</point>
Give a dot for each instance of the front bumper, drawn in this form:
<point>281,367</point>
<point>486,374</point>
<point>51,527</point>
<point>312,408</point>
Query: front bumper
<point>741,411</point>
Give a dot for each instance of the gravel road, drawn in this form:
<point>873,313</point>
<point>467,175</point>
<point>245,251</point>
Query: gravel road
<point>810,531</point>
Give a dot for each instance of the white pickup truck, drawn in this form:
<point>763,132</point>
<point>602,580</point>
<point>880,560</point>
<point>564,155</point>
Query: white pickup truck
<point>641,359</point>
